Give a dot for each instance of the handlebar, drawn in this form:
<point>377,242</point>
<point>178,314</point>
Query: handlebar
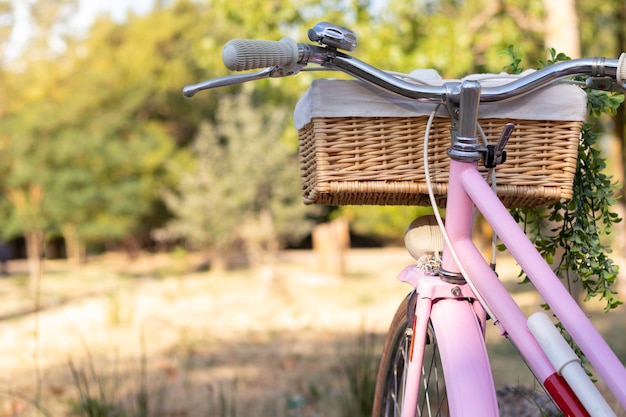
<point>245,54</point>
<point>286,57</point>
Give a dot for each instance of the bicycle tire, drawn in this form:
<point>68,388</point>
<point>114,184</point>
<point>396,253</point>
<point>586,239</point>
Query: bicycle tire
<point>392,369</point>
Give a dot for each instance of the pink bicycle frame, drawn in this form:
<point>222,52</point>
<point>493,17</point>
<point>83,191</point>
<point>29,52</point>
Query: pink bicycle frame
<point>468,189</point>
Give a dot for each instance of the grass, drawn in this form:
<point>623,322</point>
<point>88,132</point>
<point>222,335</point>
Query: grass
<point>98,392</point>
<point>360,366</point>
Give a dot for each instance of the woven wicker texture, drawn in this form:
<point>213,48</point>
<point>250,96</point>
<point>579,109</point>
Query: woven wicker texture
<point>379,161</point>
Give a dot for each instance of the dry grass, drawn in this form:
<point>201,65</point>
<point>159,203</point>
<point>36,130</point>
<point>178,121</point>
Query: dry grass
<point>247,343</point>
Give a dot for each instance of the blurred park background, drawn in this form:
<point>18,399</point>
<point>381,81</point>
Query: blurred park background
<point>111,181</point>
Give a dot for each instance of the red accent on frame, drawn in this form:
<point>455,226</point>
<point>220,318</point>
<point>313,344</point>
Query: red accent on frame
<point>564,397</point>
<point>413,338</point>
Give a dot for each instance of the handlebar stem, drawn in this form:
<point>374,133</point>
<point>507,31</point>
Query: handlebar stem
<point>464,114</point>
<point>470,99</point>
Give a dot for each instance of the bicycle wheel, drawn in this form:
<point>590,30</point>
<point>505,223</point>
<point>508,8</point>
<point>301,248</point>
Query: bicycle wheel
<point>392,370</point>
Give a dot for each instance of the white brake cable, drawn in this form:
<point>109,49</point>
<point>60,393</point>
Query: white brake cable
<point>433,202</point>
<point>492,175</point>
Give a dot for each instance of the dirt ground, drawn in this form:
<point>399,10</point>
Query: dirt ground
<point>190,338</point>
<point>245,343</point>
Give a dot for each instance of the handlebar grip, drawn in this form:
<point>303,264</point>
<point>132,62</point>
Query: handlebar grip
<point>621,69</point>
<point>246,54</point>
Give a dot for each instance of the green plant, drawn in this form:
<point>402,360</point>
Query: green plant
<point>360,369</point>
<point>93,404</point>
<point>516,59</point>
<point>223,401</point>
<point>120,308</point>
<point>577,228</point>
<point>98,392</point>
<point>295,404</point>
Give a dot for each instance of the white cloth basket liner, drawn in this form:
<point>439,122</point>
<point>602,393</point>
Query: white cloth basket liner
<point>351,98</point>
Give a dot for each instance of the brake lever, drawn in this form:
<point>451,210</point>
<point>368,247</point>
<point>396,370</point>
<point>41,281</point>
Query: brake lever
<point>271,72</point>
<point>191,90</point>
<point>605,83</point>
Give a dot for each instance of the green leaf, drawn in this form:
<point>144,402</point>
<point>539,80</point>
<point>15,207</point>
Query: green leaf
<point>580,226</point>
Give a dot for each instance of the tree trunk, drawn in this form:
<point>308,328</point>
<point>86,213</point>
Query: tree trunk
<point>561,27</point>
<point>218,262</point>
<point>74,247</point>
<point>331,243</point>
<point>34,250</point>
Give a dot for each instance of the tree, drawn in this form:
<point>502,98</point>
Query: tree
<point>456,38</point>
<point>602,33</point>
<point>6,27</point>
<point>243,191</point>
<point>21,137</point>
<point>22,189</point>
<point>94,129</point>
<point>561,27</point>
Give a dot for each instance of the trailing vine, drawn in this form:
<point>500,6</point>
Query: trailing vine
<point>576,230</point>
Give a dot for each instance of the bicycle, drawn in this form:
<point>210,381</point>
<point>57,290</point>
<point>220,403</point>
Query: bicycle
<point>441,323</point>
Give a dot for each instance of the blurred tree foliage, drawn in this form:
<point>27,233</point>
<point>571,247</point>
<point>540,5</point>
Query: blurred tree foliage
<point>242,196</point>
<point>90,131</point>
<point>95,130</point>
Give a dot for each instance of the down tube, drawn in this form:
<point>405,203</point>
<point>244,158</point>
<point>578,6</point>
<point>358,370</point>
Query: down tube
<point>595,348</point>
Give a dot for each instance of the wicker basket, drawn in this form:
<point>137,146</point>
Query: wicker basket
<point>379,160</point>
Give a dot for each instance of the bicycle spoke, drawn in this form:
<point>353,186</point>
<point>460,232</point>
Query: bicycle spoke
<point>434,394</point>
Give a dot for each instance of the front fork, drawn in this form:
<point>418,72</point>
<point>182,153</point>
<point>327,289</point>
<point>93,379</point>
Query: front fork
<point>458,324</point>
